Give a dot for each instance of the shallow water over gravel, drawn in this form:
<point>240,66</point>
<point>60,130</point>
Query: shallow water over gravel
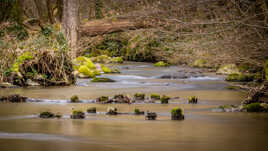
<point>202,129</point>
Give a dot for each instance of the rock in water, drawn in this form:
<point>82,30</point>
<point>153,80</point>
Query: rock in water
<point>111,111</point>
<point>177,114</point>
<point>150,116</point>
<point>15,98</point>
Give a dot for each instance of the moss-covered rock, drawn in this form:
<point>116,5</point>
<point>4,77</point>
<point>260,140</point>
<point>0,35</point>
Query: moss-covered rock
<point>102,59</point>
<point>106,69</point>
<point>138,112</point>
<point>117,60</point>
<point>150,116</point>
<point>112,111</point>
<point>192,100</point>
<point>102,80</point>
<point>102,99</point>
<point>177,114</point>
<point>228,69</point>
<point>139,96</point>
<point>240,77</point>
<point>164,99</point>
<point>46,115</point>
<point>74,99</point>
<point>77,114</point>
<point>254,107</point>
<point>161,64</point>
<point>155,96</point>
<point>91,110</point>
<point>85,72</point>
<point>199,63</point>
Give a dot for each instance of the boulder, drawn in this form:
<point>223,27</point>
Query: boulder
<point>164,99</point>
<point>102,80</point>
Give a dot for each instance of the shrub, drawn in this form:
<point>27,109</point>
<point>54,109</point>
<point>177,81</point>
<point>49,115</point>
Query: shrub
<point>164,99</point>
<point>161,64</point>
<point>155,96</point>
<point>74,99</point>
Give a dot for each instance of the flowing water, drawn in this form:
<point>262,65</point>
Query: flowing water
<point>202,129</point>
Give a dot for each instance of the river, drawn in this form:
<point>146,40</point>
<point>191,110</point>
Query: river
<point>202,129</point>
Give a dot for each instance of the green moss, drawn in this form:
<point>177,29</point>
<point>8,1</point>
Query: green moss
<point>199,63</point>
<point>81,60</point>
<point>86,71</point>
<point>240,77</point>
<point>102,59</point>
<point>106,69</point>
<point>96,73</point>
<point>266,70</point>
<point>254,107</point>
<point>102,80</point>
<point>74,99</point>
<point>161,64</point>
<point>192,100</point>
<point>25,56</point>
<point>92,110</point>
<point>230,87</point>
<point>155,96</point>
<point>164,99</point>
<point>117,60</point>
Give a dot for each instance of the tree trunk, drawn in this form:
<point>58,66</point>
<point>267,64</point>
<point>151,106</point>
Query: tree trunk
<point>49,12</point>
<point>60,9</point>
<point>71,23</point>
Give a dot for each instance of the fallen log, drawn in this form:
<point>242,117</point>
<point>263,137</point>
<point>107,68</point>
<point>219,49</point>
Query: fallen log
<point>101,27</point>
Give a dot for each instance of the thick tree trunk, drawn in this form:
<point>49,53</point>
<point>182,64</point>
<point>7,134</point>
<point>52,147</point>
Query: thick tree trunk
<point>71,23</point>
<point>49,12</point>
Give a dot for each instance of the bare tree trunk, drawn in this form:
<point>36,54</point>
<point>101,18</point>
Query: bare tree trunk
<point>71,23</point>
<point>49,12</point>
<point>60,9</point>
